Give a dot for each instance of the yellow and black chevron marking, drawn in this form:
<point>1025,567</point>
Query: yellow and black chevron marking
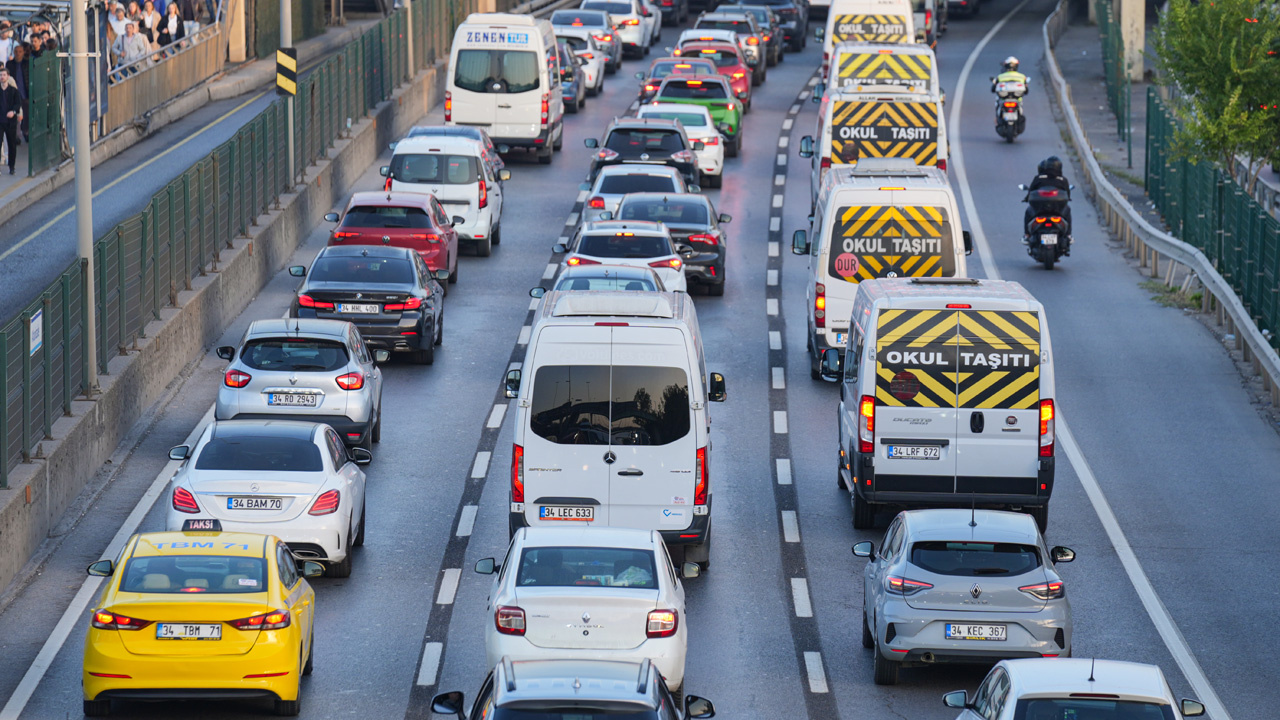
<point>287,71</point>
<point>871,28</point>
<point>886,241</point>
<point>875,68</point>
<point>884,129</point>
<point>958,358</point>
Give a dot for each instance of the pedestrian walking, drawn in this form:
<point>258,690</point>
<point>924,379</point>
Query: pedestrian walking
<point>10,117</point>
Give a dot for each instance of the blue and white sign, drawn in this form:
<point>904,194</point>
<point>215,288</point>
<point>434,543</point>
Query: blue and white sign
<point>35,331</point>
<point>497,37</point>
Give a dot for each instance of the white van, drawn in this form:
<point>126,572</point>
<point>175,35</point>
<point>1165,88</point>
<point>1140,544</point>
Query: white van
<point>882,218</point>
<point>453,169</point>
<point>947,397</point>
<point>878,21</point>
<point>504,77</point>
<point>612,424</point>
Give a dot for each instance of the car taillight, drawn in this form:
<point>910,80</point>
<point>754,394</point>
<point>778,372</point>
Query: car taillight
<point>819,305</point>
<point>632,21</point>
<point>662,623</point>
<point>903,586</point>
<point>603,38</point>
<point>767,38</point>
<point>753,40</point>
<point>350,381</point>
<point>607,154</point>
<point>928,18</point>
<point>739,75</point>
<point>273,620</point>
<point>184,501</point>
<point>509,620</point>
<point>573,261</point>
<point>730,108</point>
<point>310,302</point>
<point>429,237</point>
<point>650,88</point>
<point>596,203</point>
<point>236,379</point>
<point>517,473</point>
<point>107,620</point>
<point>484,193</point>
<point>682,156</point>
<point>866,424</point>
<point>825,163</point>
<point>942,165</point>
<point>412,303</point>
<point>702,478</point>
<point>714,140</point>
<point>326,504</point>
<point>672,263</point>
<point>1055,219</point>
<point>386,186</point>
<point>448,106</point>
<point>1045,591</point>
<point>344,235</point>
<point>546,108</point>
<point>1046,428</point>
<point>703,238</point>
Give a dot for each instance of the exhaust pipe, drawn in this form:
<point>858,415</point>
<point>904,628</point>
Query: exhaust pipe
<point>927,657</point>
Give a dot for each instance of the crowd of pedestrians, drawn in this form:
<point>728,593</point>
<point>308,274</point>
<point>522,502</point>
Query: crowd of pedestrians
<point>19,45</point>
<point>153,29</point>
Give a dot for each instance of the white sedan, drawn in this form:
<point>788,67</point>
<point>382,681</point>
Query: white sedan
<point>637,243</point>
<point>699,126</point>
<point>588,593</point>
<point>594,57</point>
<point>295,480</point>
<point>614,181</point>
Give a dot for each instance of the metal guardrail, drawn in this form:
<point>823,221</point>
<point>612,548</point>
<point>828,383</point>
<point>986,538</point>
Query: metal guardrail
<point>1149,244</point>
<point>139,87</point>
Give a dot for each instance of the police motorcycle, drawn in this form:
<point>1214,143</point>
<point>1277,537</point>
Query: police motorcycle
<point>1047,221</point>
<point>1009,88</point>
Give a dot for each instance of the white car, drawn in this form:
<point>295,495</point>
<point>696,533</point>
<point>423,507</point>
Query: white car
<point>295,480</point>
<point>638,27</point>
<point>627,278</point>
<point>583,44</point>
<point>693,35</point>
<point>1037,689</point>
<point>638,243</point>
<point>699,126</point>
<point>588,593</point>
<point>614,181</point>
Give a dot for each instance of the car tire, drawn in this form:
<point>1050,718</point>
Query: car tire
<point>815,370</point>
<point>359,539</point>
<point>864,513</point>
<point>546,156</point>
<point>367,441</point>
<point>711,181</point>
<point>484,248</point>
<point>340,569</point>
<point>309,666</point>
<point>731,150</point>
<point>425,356</point>
<point>1041,516</point>
<point>559,141</point>
<point>571,108</point>
<point>453,277</point>
<point>886,670</point>
<point>97,708</point>
<point>288,708</point>
<point>495,234</point>
<point>756,79</point>
<point>700,553</point>
<point>868,640</point>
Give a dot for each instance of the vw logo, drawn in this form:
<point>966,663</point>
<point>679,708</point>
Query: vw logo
<point>386,239</point>
<point>975,591</point>
<point>644,156</point>
<point>253,487</point>
<point>610,457</point>
<point>891,274</point>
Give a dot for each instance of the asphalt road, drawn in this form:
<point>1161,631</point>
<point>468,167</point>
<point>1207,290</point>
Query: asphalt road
<point>1161,420</point>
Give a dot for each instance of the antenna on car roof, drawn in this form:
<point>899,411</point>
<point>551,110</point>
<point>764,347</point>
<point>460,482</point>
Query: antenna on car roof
<point>1092,662</point>
<point>973,510</point>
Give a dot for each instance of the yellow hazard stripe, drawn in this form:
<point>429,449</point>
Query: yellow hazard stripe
<point>284,61</point>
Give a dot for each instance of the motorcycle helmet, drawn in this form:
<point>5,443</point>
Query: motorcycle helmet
<point>1010,64</point>
<point>1051,165</point>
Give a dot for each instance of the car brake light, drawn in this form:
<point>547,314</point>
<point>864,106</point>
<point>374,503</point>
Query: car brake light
<point>607,154</point>
<point>693,83</point>
<point>106,620</point>
<point>1040,219</point>
<point>682,156</point>
<point>236,379</point>
<point>1046,428</point>
<point>596,203</point>
<point>631,21</point>
<point>672,263</point>
<point>825,163</point>
<point>739,75</point>
<point>650,88</point>
<point>448,106</point>
<point>959,306</point>
<point>587,56</point>
<point>326,504</point>
<point>509,620</point>
<point>753,40</point>
<point>184,501</point>
<point>412,303</point>
<point>344,235</point>
<point>928,18</point>
<point>942,165</point>
<point>703,238</point>
<point>662,623</point>
<point>546,108</point>
<point>386,186</point>
<point>702,478</point>
<point>484,193</point>
<point>867,424</point>
<point>350,381</point>
<point>1046,590</point>
<point>715,140</point>
<point>767,38</point>
<point>272,620</point>
<point>429,237</point>
<point>819,305</point>
<point>903,586</point>
<point>581,261</point>
<point>517,473</point>
<point>310,302</point>
<point>730,107</point>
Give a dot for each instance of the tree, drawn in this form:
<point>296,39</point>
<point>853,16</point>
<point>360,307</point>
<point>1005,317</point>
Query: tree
<point>1216,55</point>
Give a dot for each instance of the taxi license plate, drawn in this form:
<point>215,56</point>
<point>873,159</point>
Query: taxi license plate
<point>915,452</point>
<point>291,400</point>
<point>359,308</point>
<point>573,513</point>
<point>1049,239</point>
<point>182,631</point>
<point>965,631</point>
<point>255,503</point>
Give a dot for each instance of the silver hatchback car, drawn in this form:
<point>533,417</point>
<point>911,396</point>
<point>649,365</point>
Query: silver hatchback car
<point>961,586</point>
<point>305,369</point>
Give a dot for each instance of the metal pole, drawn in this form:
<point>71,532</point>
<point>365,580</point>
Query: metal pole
<point>286,41</point>
<point>408,13</point>
<point>84,186</point>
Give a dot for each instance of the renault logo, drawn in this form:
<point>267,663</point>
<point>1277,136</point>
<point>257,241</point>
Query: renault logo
<point>586,617</point>
<point>975,591</point>
<point>293,379</point>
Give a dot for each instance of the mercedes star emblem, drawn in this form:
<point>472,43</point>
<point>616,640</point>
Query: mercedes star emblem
<point>253,487</point>
<point>975,591</point>
<point>610,457</point>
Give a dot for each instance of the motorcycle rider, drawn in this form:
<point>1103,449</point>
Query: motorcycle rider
<point>1009,73</point>
<point>1048,174</point>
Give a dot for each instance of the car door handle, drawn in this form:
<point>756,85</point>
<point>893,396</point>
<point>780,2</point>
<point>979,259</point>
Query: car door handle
<point>632,472</point>
<point>504,106</point>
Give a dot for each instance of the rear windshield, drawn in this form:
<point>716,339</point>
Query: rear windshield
<point>574,43</point>
<point>496,71</point>
<point>572,406</point>
<point>1090,709</point>
<point>760,14</point>
<point>575,18</point>
<point>266,453</point>
<point>664,69</point>
<point>581,710</point>
<point>374,216</point>
<point>634,141</point>
<point>679,211</point>
<point>740,26</point>
<point>613,8</point>
<point>694,89</point>
<point>622,184</point>
<point>607,283</point>
<point>435,168</point>
<point>363,270</point>
<point>972,559</point>
<point>686,119</point>
<point>194,574</point>
<point>722,58</point>
<point>603,567</point>
<point>289,354</point>
<point>624,246</point>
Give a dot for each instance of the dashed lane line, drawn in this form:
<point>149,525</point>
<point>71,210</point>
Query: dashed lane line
<point>480,468</point>
<point>775,340</point>
<point>498,412</point>
<point>783,466</point>
<point>431,655</point>
<point>775,224</point>
<point>550,272</point>
<point>790,526</point>
<point>771,277</point>
<point>817,675</point>
<point>467,520</point>
<point>773,249</point>
<point>524,335</point>
<point>448,586</point>
<point>779,378</point>
<point>771,306</point>
<point>780,422</point>
<point>800,597</point>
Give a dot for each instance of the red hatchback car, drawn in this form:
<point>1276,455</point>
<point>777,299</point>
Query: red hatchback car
<point>729,63</point>
<point>400,219</point>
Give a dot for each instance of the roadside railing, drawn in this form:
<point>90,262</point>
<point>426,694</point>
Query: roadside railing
<point>141,86</point>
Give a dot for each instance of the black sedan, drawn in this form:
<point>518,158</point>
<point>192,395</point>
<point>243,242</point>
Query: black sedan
<point>695,229</point>
<point>389,293</point>
<point>645,141</point>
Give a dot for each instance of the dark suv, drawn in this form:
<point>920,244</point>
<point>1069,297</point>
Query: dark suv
<point>645,141</point>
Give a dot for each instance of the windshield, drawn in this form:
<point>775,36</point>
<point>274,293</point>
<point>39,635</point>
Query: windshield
<point>378,216</point>
<point>571,404</point>
<point>686,119</point>
<point>292,354</point>
<point>623,184</point>
<point>739,26</point>
<point>677,211</point>
<point>362,270</point>
<point>722,58</point>
<point>635,141</point>
<point>261,452</point>
<point>613,8</point>
<point>435,168</point>
<point>1089,709</point>
<point>575,18</point>
<point>606,283</point>
<point>574,43</point>
<point>496,71</point>
<point>604,567</point>
<point>194,573</point>
<point>969,559</point>
<point>624,246</point>
<point>694,90</point>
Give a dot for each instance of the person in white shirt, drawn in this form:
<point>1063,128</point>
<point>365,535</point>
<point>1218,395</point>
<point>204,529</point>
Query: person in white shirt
<point>132,46</point>
<point>6,42</point>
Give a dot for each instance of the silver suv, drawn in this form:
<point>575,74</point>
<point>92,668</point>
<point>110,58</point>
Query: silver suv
<point>304,369</point>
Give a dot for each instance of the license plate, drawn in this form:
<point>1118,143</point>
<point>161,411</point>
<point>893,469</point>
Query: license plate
<point>965,631</point>
<point>574,513</point>
<point>255,503</point>
<point>1011,116</point>
<point>359,308</point>
<point>915,452</point>
<point>291,400</point>
<point>1049,239</point>
<point>842,339</point>
<point>182,631</point>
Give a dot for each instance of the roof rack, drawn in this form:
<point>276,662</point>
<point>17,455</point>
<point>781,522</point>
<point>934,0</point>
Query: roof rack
<point>944,281</point>
<point>888,165</point>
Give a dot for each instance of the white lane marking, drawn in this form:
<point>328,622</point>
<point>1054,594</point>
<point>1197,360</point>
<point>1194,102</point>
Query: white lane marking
<point>784,141</point>
<point>800,596</point>
<point>573,219</point>
<point>804,95</point>
<point>771,277</point>
<point>773,249</point>
<point>582,195</point>
<point>784,471</point>
<point>563,239</point>
<point>779,380</point>
<point>74,613</point>
<point>467,520</point>
<point>533,303</point>
<point>782,159</point>
<point>812,81</point>
<point>775,224</point>
<point>514,366</point>
<point>777,201</point>
<point>524,335</point>
<point>430,663</point>
<point>480,468</point>
<point>790,526</point>
<point>771,306</point>
<point>786,124</point>
<point>550,272</point>
<point>775,340</point>
<point>780,422</point>
<point>779,180</point>
<point>795,108</point>
<point>448,586</point>
<point>495,415</point>
<point>817,676</point>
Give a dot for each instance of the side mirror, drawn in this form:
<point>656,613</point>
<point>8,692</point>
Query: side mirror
<point>695,188</point>
<point>503,149</point>
<point>958,699</point>
<point>449,703</point>
<point>311,569</point>
<point>504,174</point>
<point>298,270</point>
<point>486,566</point>
<point>458,220</point>
<point>391,146</point>
<point>104,568</point>
<point>1062,554</point>
<point>559,248</point>
<point>716,391</point>
<point>698,707</point>
<point>591,143</point>
<point>331,217</point>
<point>725,218</point>
<point>968,242</point>
<point>537,292</point>
<point>359,455</point>
<point>806,146</point>
<point>800,243</point>
<point>226,352</point>
<point>442,275</point>
<point>699,145</point>
<point>864,549</point>
<point>512,384</point>
<point>640,76</point>
<point>606,215</point>
<point>584,186</point>
<point>690,570</point>
<point>819,33</point>
<point>831,364</point>
<point>1192,708</point>
<point>385,171</point>
<point>1021,186</point>
<point>381,356</point>
<point>819,89</point>
<point>181,452</point>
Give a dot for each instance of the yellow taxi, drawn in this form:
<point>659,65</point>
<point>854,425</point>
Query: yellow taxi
<point>203,615</point>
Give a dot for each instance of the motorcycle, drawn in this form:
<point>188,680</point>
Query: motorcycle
<point>1048,233</point>
<point>1010,120</point>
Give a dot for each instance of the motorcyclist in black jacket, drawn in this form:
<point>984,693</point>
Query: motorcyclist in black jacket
<point>1049,174</point>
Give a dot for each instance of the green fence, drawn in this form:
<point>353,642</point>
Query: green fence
<point>308,17</point>
<point>45,113</point>
<point>1205,207</point>
<point>142,263</point>
<point>1114,66</point>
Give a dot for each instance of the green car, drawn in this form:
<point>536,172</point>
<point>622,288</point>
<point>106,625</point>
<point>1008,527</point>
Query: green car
<point>713,93</point>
